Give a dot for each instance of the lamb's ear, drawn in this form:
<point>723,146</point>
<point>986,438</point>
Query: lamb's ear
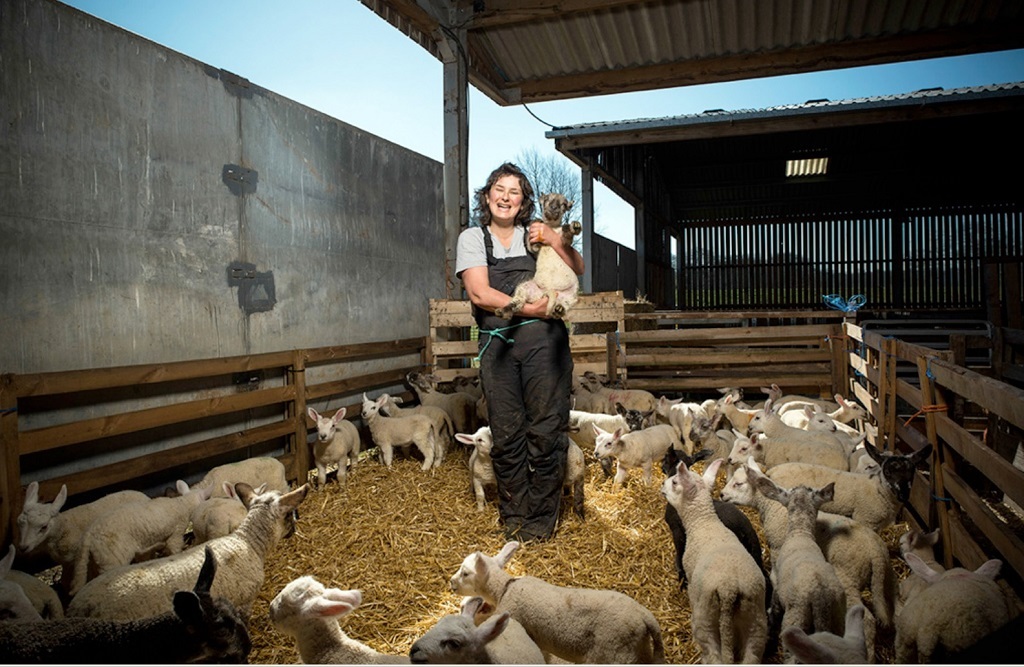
<point>494,626</point>
<point>921,454</point>
<point>711,473</point>
<point>293,499</point>
<point>206,573</point>
<point>62,497</point>
<point>597,429</point>
<point>827,492</point>
<point>32,493</point>
<point>618,434</point>
<point>854,621</point>
<point>245,493</point>
<point>471,606</point>
<point>753,465</point>
<point>326,608</point>
<point>7,561</point>
<point>464,438</point>
<point>873,452</point>
<point>805,649</point>
<point>339,415</point>
<point>921,569</point>
<point>989,569</point>
<point>620,409</point>
<point>181,486</point>
<point>505,555</point>
<point>931,538</point>
<point>770,489</point>
<point>228,489</point>
<point>188,608</point>
<point>313,414</point>
<point>809,411</point>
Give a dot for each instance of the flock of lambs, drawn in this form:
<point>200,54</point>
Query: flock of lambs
<point>131,592</point>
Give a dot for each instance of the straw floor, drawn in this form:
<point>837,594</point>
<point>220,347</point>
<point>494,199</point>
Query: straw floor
<point>399,535</point>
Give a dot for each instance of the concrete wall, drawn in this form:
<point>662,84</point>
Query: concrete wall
<point>154,208</point>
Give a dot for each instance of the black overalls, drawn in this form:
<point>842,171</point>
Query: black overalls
<point>527,380</point>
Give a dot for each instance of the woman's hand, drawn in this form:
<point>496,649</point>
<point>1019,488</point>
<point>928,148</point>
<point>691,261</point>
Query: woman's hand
<point>537,309</point>
<point>541,233</point>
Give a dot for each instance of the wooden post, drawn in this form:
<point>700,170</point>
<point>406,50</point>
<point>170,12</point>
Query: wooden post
<point>10,460</point>
<point>889,412</point>
<point>300,445</point>
<point>931,397</point>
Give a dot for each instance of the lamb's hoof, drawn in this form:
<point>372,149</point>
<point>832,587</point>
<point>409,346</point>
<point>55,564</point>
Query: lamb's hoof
<point>576,226</point>
<point>558,311</point>
<point>504,313</point>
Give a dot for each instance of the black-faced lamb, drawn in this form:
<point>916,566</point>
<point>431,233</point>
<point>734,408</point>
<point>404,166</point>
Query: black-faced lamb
<point>461,407</point>
<point>308,612</point>
<point>874,498</point>
<point>118,537</point>
<point>337,443</point>
<point>575,624</point>
<point>808,592</point>
<point>552,278</point>
<point>726,588</point>
<point>957,608</point>
<point>391,432</point>
<point>143,589</point>
<point>636,449</point>
<point>456,639</point>
<point>821,648</point>
<point>198,627</point>
<point>43,527</point>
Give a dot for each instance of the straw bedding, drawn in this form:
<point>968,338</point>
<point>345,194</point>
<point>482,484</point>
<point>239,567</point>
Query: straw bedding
<point>399,535</point>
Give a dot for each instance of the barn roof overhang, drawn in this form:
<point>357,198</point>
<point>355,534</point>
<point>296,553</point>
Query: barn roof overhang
<point>930,146</point>
<point>521,51</point>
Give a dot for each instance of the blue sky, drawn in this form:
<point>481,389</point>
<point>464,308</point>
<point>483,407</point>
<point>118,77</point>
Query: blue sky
<point>339,58</point>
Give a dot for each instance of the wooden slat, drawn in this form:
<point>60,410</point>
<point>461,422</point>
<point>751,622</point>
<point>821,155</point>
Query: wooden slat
<point>63,435</point>
<point>461,348</point>
<point>129,469</point>
<point>1005,400</point>
<point>993,466</point>
<point>798,382</point>
<point>812,333</point>
<point>712,356</point>
<point>736,315</point>
<point>364,350</point>
<point>48,384</point>
<point>1011,548</point>
<point>361,382</point>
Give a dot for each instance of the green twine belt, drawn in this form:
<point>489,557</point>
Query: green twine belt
<point>498,332</point>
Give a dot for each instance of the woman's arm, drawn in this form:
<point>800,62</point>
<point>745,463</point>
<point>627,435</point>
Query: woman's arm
<point>482,295</point>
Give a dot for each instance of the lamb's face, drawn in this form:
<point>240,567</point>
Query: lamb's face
<point>306,597</point>
<point>738,490</point>
<point>743,448</point>
<point>470,577</point>
<point>604,442</point>
<point>553,207</point>
<point>34,525</point>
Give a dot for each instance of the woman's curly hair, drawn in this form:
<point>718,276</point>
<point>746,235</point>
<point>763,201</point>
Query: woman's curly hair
<point>483,211</point>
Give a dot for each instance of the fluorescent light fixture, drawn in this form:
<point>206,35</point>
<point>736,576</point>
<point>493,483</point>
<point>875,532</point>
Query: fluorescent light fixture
<point>815,166</point>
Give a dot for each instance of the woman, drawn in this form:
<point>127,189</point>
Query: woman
<point>525,364</point>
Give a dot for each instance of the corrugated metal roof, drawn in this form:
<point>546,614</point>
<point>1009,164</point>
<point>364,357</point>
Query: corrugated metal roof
<point>927,96</point>
<point>535,50</point>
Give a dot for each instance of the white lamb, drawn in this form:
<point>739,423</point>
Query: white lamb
<point>795,415</point>
<point>308,612</point>
<point>636,449</point>
<point>859,555</point>
<point>482,470</point>
<point>552,278</point>
<point>144,589</point>
<point>726,587</point>
<point>14,602</point>
<point>43,527</point>
<point>682,416</point>
<point>631,399</point>
<point>460,406</point>
<point>337,443</point>
<point>389,432</point>
<point>443,426</point>
<point>956,609</point>
<point>456,639</point>
<point>576,624</point>
<point>199,628</point>
<point>825,647</point>
<point>808,592</point>
<point>217,517</point>
<point>253,471</point>
<point>122,534</point>
<point>784,443</point>
<point>923,546</point>
<point>581,430</point>
<point>738,416</point>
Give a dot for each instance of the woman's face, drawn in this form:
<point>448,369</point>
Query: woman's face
<point>504,199</point>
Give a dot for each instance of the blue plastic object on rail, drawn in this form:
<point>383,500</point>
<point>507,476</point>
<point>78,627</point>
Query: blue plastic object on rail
<point>839,303</point>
